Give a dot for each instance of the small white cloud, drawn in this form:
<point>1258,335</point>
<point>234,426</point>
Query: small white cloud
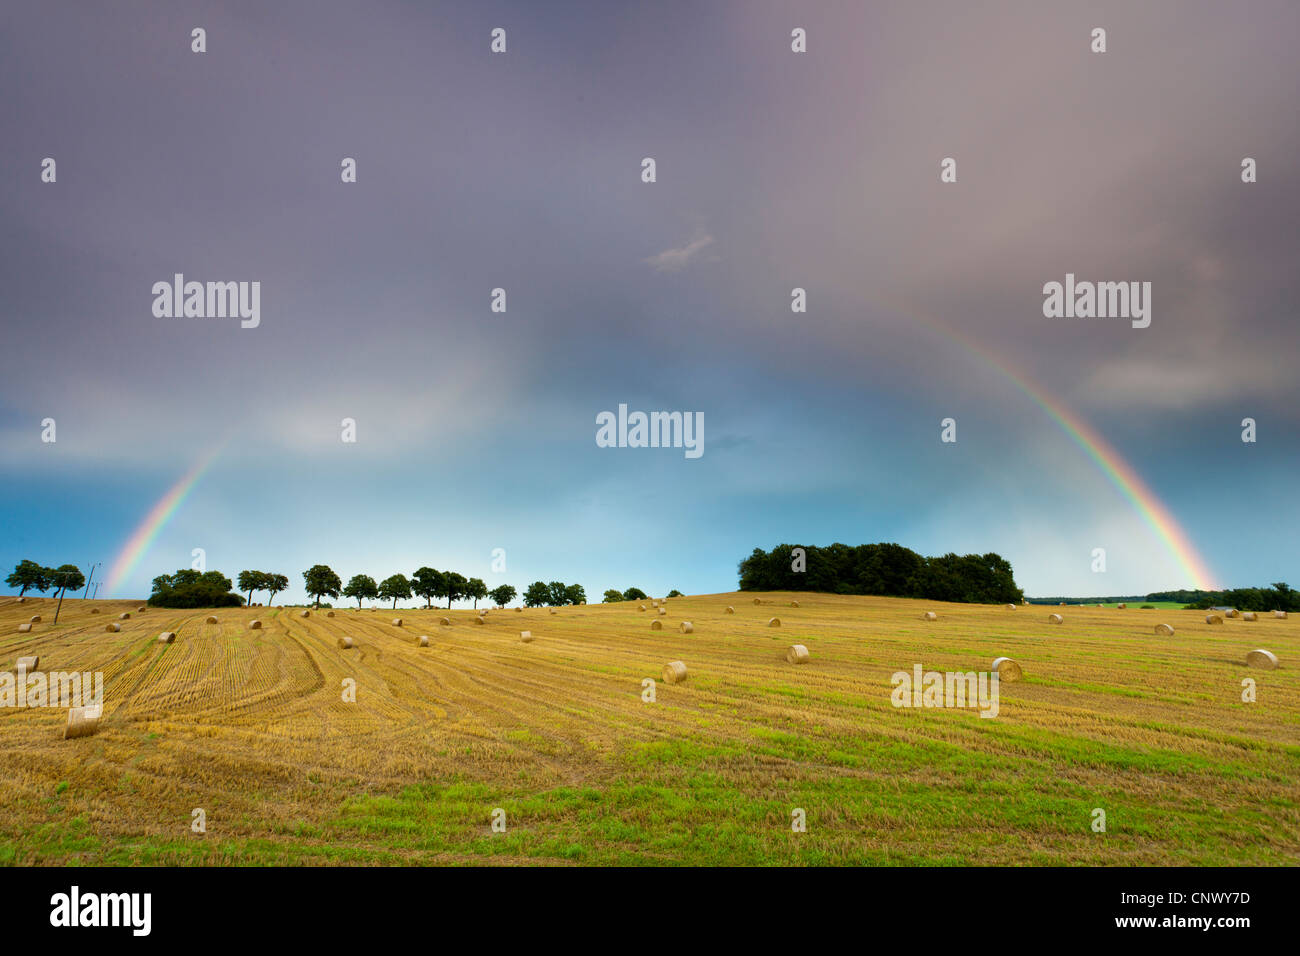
<point>672,260</point>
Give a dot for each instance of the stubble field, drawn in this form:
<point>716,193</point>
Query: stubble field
<point>252,728</point>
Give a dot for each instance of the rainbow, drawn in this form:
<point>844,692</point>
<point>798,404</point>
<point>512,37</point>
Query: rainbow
<point>146,532</point>
<point>1120,473</point>
<point>1111,464</point>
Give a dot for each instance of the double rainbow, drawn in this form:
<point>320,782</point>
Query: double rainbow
<point>1119,472</point>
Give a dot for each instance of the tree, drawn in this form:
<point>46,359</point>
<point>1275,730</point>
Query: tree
<point>426,583</point>
<point>322,581</point>
<point>453,587</point>
<point>275,583</point>
<point>503,595</point>
<point>537,594</point>
<point>634,594</point>
<point>395,586</point>
<point>675,593</point>
<point>27,575</point>
<point>251,581</point>
<point>886,569</point>
<point>613,597</point>
<point>188,588</point>
<point>362,586</point>
<point>558,594</point>
<point>477,590</point>
<point>575,594</point>
<point>1286,597</point>
<point>65,577</point>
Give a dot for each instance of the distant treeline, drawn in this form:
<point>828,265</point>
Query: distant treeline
<point>888,570</point>
<point>1278,597</point>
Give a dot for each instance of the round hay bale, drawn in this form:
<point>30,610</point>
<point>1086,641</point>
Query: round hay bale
<point>329,613</point>
<point>1011,607</point>
<point>346,643</point>
<point>94,610</point>
<point>797,654</point>
<point>24,628</point>
<point>1280,614</point>
<point>526,636</point>
<point>1261,658</point>
<point>304,613</point>
<point>397,621</point>
<point>641,608</point>
<point>83,721</point>
<point>656,625</point>
<point>254,625</point>
<point>794,603</point>
<point>519,610</point>
<point>1164,630</point>
<point>210,619</point>
<point>1007,669</point>
<point>674,672</point>
<point>554,611</point>
<point>663,610</point>
<point>446,621</point>
<point>929,616</point>
<point>22,600</point>
<point>1249,616</point>
<point>773,622</point>
<point>730,609</point>
<point>34,619</point>
<point>113,628</point>
<point>141,610</point>
<point>1055,619</point>
<point>1062,604</point>
<point>654,603</point>
<point>27,665</point>
<point>167,637</point>
<point>1123,606</point>
<point>124,616</point>
<point>1232,612</point>
<point>1213,619</point>
<point>479,620</point>
<point>687,627</point>
<point>757,601</point>
<point>422,640</point>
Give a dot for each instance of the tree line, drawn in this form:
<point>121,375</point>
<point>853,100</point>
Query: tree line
<point>885,569</point>
<point>1277,597</point>
<point>614,596</point>
<point>30,576</point>
<point>425,582</point>
<point>190,588</point>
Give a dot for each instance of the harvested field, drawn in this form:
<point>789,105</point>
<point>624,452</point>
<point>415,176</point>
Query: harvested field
<point>252,726</point>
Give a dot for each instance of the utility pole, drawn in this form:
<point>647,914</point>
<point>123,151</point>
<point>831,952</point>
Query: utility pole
<point>89,579</point>
<point>61,590</point>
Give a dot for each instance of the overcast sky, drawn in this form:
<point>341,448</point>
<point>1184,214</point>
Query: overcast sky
<point>476,430</point>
